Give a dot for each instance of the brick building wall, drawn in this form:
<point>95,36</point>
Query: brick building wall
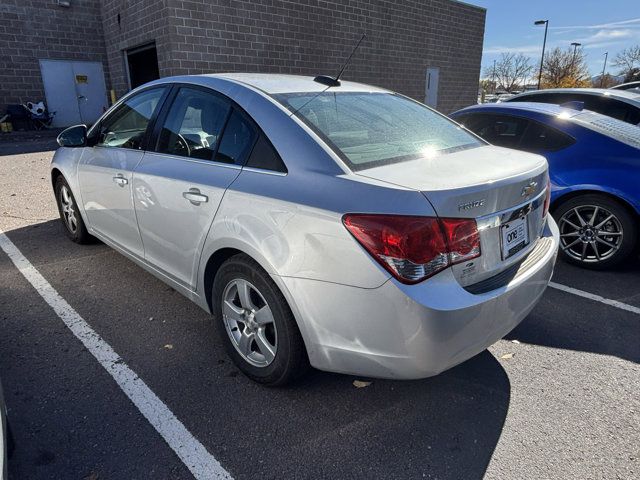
<point>308,37</point>
<point>32,30</point>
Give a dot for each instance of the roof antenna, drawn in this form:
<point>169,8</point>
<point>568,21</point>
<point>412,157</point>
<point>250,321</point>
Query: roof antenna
<point>335,82</point>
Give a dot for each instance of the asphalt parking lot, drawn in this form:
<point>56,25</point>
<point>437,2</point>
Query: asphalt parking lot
<point>558,398</point>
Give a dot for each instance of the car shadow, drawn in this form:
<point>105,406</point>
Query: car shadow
<point>444,427</point>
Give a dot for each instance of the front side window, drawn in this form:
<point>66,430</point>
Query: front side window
<point>372,129</point>
<point>193,124</point>
<point>126,126</point>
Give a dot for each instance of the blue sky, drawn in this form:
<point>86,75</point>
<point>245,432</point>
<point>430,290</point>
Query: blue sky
<point>600,26</point>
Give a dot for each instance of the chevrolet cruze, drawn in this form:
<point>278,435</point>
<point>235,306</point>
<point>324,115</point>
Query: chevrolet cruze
<point>330,224</point>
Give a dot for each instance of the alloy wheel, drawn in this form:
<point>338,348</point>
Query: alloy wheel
<point>68,209</point>
<point>249,323</point>
<point>590,233</point>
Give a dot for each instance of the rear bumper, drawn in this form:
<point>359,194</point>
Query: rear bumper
<point>412,331</point>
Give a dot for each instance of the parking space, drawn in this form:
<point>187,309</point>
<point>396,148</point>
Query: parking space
<point>556,399</point>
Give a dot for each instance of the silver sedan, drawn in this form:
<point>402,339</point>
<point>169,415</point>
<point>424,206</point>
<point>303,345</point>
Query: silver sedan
<point>344,227</point>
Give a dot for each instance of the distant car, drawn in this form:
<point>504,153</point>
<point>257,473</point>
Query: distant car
<point>594,165</point>
<point>620,104</point>
<point>633,87</point>
<point>336,224</point>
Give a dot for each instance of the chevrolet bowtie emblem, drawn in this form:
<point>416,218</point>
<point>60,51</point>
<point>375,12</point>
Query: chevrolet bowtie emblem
<point>529,189</point>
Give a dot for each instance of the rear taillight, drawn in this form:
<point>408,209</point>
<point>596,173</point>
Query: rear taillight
<point>547,199</point>
<point>415,248</point>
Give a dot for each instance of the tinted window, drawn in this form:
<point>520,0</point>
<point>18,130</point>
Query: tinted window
<point>516,132</point>
<point>502,130</point>
<point>539,138</point>
<point>238,138</point>
<point>554,98</point>
<point>613,108</point>
<point>193,124</point>
<point>126,126</point>
<point>265,156</point>
<point>372,129</point>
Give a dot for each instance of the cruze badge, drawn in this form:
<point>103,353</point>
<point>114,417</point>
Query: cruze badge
<point>470,205</point>
<point>529,189</point>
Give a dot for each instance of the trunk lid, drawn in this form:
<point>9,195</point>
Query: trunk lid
<point>501,188</point>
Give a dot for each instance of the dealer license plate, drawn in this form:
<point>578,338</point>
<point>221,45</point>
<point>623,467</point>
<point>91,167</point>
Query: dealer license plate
<point>515,236</point>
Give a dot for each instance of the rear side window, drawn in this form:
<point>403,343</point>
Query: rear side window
<point>517,132</point>
<point>238,138</point>
<point>501,130</point>
<point>539,138</point>
<point>265,156</point>
<point>193,124</point>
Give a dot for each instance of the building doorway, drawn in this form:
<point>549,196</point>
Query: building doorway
<point>431,87</point>
<point>75,91</point>
<point>142,65</point>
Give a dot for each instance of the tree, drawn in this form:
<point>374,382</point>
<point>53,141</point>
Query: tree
<point>607,81</point>
<point>565,69</point>
<point>511,71</point>
<point>628,60</point>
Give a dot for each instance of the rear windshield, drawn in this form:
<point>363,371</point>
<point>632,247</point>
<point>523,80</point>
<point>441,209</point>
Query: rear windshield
<point>371,129</point>
<point>616,129</point>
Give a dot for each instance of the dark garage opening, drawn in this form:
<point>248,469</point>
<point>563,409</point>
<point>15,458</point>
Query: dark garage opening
<point>143,65</point>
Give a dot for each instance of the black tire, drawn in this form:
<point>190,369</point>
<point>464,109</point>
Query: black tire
<point>79,234</point>
<point>623,220</point>
<point>290,361</point>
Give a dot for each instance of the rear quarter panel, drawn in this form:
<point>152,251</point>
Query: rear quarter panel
<point>596,163</point>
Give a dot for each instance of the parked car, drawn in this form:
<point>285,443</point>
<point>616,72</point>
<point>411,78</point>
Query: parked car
<point>594,164</point>
<point>633,87</point>
<point>347,227</point>
<point>620,104</point>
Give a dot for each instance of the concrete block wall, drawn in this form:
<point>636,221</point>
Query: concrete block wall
<point>308,37</point>
<point>32,30</point>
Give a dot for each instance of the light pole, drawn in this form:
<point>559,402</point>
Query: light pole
<point>575,46</point>
<point>493,77</point>
<point>606,55</point>
<point>544,44</point>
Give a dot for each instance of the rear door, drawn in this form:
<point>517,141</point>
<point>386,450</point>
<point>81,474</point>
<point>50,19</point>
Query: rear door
<point>200,145</point>
<point>106,168</point>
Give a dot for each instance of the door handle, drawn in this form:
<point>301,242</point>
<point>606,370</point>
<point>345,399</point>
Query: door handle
<point>120,180</point>
<point>195,197</point>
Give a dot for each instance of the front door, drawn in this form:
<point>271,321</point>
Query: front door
<point>179,187</point>
<point>431,87</point>
<point>75,91</point>
<point>106,169</point>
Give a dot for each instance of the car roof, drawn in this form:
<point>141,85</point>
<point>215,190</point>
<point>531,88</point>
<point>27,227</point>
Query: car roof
<point>545,108</point>
<point>624,95</point>
<point>272,83</point>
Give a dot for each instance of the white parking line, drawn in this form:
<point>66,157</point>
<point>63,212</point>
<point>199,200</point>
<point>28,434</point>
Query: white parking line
<point>596,298</point>
<point>193,454</point>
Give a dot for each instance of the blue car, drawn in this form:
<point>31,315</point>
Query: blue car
<point>594,164</point>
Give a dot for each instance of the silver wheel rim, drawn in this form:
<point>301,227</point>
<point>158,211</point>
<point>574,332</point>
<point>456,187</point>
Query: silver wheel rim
<point>590,233</point>
<point>249,323</point>
<point>68,209</point>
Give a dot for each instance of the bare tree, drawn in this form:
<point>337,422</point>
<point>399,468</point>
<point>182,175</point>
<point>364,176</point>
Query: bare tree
<point>511,71</point>
<point>628,60</point>
<point>565,69</point>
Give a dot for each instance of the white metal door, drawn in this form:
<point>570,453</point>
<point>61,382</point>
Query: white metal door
<point>431,87</point>
<point>75,91</point>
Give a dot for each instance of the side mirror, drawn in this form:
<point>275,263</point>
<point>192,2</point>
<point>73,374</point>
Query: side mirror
<point>73,136</point>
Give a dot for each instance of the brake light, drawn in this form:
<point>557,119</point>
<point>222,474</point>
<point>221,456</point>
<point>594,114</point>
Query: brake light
<point>414,248</point>
<point>547,199</point>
